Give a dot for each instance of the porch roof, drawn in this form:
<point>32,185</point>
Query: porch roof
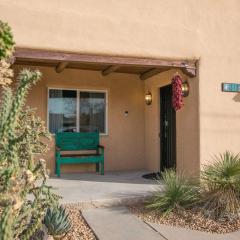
<point>144,67</point>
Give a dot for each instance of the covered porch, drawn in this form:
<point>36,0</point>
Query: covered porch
<point>114,188</point>
<point>130,129</point>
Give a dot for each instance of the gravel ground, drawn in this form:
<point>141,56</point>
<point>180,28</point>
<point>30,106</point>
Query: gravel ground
<point>80,229</point>
<point>188,219</point>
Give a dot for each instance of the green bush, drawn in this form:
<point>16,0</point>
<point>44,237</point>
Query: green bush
<point>57,221</point>
<point>220,184</point>
<point>179,192</point>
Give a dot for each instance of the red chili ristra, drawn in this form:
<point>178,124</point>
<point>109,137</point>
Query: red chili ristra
<point>177,97</point>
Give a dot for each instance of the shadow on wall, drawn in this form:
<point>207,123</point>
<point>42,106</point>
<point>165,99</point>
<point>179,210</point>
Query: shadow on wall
<point>236,98</point>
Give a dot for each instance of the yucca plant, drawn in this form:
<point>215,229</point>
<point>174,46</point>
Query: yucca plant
<point>57,221</point>
<point>179,192</point>
<point>221,186</point>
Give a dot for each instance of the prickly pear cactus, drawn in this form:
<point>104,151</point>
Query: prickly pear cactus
<point>24,195</point>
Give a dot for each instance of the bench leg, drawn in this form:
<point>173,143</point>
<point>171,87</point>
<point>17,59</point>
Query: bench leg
<point>58,169</point>
<point>102,168</point>
<point>97,167</point>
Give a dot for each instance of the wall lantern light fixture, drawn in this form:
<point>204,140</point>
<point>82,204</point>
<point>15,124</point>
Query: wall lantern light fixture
<point>185,89</point>
<point>148,97</point>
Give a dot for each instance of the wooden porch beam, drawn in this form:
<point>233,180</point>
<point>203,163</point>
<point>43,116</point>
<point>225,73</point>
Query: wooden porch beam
<point>110,69</point>
<point>150,73</point>
<point>61,66</point>
<point>31,55</point>
<point>191,72</point>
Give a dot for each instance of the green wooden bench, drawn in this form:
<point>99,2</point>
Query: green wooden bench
<point>74,142</point>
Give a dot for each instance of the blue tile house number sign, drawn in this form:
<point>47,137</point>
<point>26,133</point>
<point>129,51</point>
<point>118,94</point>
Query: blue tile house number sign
<point>230,87</point>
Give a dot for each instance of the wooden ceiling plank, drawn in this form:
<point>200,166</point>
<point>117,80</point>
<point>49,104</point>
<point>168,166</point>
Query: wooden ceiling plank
<point>61,66</point>
<point>110,69</point>
<point>150,73</point>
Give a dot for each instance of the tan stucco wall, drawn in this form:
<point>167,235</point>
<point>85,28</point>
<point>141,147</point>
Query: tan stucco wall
<point>206,29</point>
<point>124,144</point>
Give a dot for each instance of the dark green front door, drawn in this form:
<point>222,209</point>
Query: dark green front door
<point>167,129</point>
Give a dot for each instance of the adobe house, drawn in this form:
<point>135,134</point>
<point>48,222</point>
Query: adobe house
<point>100,58</point>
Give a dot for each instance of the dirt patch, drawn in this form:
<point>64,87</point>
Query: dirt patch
<point>192,219</point>
<point>80,229</point>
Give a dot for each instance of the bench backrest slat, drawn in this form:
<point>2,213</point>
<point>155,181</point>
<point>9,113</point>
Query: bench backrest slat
<point>77,140</point>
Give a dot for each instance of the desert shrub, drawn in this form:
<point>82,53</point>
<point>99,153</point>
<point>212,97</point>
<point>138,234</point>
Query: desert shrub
<point>57,221</point>
<point>178,192</point>
<point>220,184</point>
<point>6,41</point>
<point>24,195</point>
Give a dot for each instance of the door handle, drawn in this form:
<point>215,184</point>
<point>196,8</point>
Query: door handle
<point>166,123</point>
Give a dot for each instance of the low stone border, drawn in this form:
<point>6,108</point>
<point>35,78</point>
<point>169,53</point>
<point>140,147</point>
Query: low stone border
<point>176,233</point>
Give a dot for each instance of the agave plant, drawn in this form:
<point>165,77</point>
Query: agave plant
<point>57,221</point>
<point>221,186</point>
<point>179,192</point>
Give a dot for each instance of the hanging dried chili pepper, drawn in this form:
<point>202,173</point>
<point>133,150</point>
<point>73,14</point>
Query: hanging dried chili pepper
<point>177,97</point>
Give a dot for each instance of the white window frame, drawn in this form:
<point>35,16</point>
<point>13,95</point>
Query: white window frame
<point>78,104</point>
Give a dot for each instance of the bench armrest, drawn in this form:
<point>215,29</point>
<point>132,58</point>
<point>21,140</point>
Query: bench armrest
<point>100,151</point>
<point>58,149</point>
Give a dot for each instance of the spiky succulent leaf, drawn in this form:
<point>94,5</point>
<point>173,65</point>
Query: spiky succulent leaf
<point>57,221</point>
<point>178,192</point>
<point>221,186</point>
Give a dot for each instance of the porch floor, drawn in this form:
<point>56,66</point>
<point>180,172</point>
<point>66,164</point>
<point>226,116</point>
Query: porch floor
<point>114,188</point>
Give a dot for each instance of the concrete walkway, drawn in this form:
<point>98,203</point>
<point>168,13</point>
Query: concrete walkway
<point>114,188</point>
<point>118,223</point>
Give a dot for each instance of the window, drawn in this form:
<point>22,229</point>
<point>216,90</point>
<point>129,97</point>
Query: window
<point>92,111</point>
<point>73,110</point>
<point>62,107</point>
